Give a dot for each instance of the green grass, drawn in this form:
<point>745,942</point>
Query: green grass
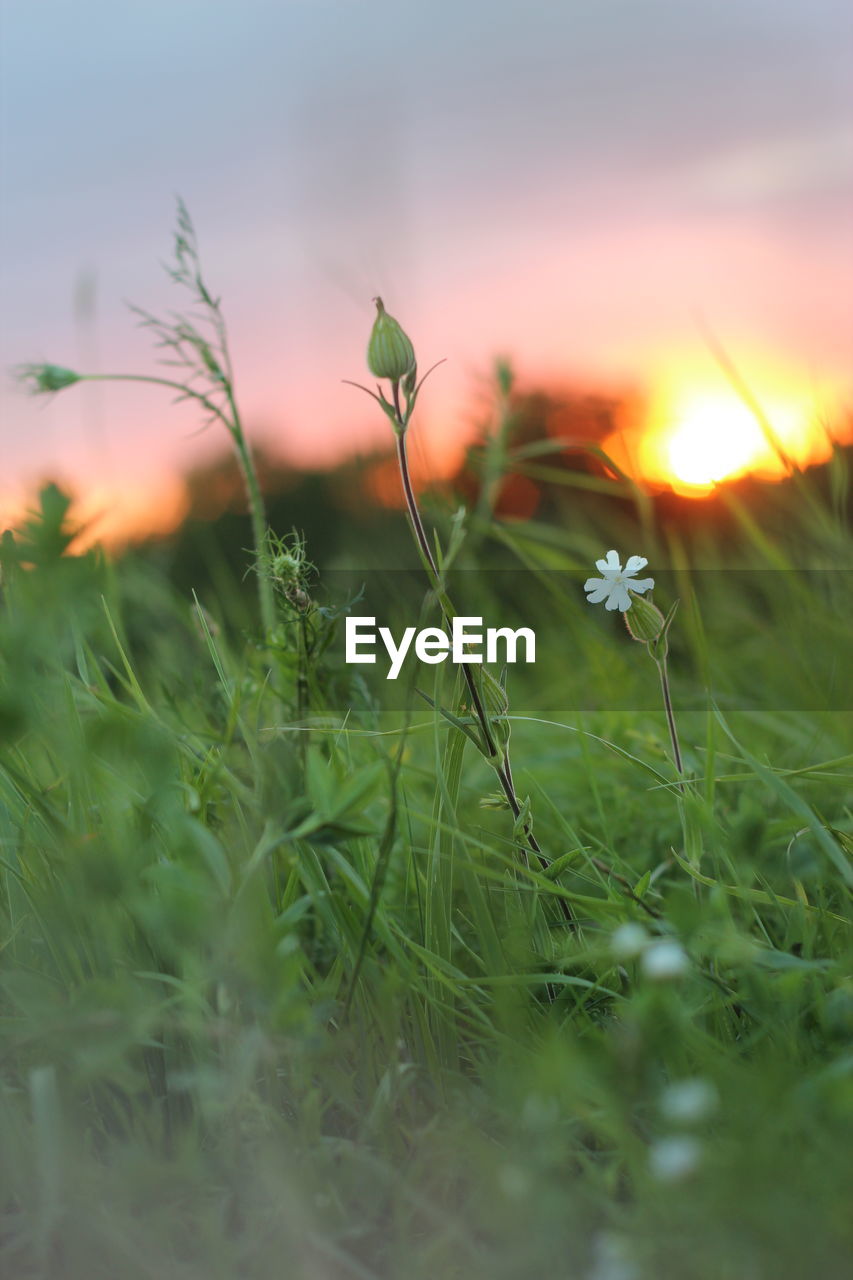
<point>286,1002</point>
<point>281,993</point>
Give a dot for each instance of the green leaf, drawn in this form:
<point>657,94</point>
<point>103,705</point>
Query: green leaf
<point>793,802</point>
<point>642,884</point>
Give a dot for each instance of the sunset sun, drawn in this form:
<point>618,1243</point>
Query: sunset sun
<point>717,437</point>
<point>695,437</point>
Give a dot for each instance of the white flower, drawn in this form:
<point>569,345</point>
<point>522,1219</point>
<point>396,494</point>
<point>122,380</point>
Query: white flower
<point>628,940</point>
<point>688,1101</point>
<point>615,582</point>
<point>673,1159</point>
<point>664,960</point>
<point>612,1259</point>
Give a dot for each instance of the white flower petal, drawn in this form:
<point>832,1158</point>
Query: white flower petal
<point>675,1158</point>
<point>689,1101</point>
<point>642,584</point>
<point>628,940</point>
<point>635,564</point>
<point>610,564</point>
<point>619,598</point>
<point>597,589</point>
<point>664,960</point>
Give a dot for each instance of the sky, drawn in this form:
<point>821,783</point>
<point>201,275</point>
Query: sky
<point>579,185</point>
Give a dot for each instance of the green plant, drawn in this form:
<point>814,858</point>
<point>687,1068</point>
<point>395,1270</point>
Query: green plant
<point>391,356</point>
<point>198,350</point>
<point>268,983</point>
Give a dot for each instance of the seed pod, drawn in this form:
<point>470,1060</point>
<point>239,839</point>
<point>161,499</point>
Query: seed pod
<point>390,353</point>
<point>644,620</point>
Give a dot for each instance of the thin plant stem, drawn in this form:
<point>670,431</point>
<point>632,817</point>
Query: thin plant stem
<point>257,510</point>
<point>670,718</point>
<point>302,691</point>
<point>423,543</point>
<point>625,885</point>
<point>689,828</point>
<point>186,392</point>
<point>258,515</point>
<point>503,770</point>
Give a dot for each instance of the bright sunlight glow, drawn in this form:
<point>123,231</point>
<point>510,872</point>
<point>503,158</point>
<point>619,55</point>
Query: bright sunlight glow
<point>702,439</point>
<point>696,431</point>
<point>717,437</point>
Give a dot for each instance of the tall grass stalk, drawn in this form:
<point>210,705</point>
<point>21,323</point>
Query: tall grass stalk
<point>204,359</point>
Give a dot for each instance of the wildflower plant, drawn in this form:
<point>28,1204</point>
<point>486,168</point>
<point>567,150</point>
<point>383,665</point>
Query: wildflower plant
<point>391,357</point>
<point>195,345</point>
<point>290,571</point>
<point>616,584</point>
<point>619,588</point>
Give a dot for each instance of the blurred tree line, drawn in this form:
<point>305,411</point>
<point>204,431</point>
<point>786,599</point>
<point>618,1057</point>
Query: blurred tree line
<point>551,470</point>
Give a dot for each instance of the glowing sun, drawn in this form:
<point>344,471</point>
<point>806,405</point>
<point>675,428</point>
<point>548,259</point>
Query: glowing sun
<point>711,440</point>
<point>705,438</point>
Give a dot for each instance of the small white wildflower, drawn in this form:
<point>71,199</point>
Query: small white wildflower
<point>615,582</point>
<point>688,1101</point>
<point>665,960</point>
<point>628,940</point>
<point>613,1259</point>
<point>674,1159</point>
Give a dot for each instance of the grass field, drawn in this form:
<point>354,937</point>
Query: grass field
<point>285,991</point>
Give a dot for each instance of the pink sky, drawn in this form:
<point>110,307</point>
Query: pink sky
<point>568,185</point>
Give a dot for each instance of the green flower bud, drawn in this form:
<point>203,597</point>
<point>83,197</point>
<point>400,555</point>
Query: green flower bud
<point>390,353</point>
<point>44,378</point>
<point>644,620</point>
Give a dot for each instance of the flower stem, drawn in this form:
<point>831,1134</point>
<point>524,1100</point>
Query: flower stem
<point>670,718</point>
<point>690,829</point>
<point>446,607</point>
<point>501,763</point>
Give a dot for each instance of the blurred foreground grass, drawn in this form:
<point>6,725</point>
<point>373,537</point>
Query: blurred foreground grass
<point>284,1002</point>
